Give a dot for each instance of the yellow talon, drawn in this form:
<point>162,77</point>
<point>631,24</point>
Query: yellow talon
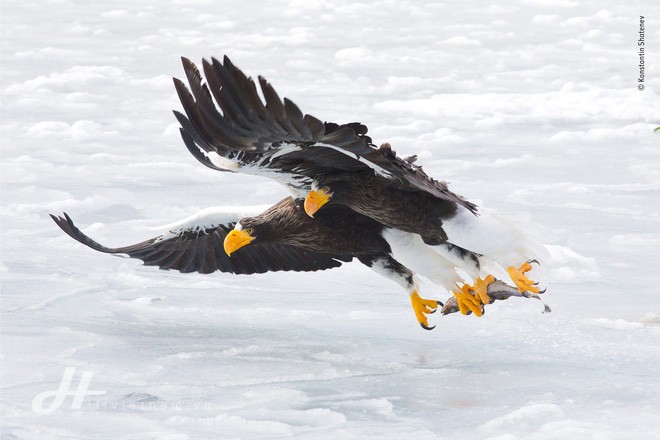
<point>423,307</point>
<point>467,302</point>
<point>480,288</point>
<point>521,281</point>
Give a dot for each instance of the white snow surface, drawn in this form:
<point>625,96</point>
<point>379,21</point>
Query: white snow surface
<point>530,108</point>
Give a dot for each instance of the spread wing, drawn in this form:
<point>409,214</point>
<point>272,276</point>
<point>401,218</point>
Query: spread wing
<point>196,245</point>
<point>275,139</point>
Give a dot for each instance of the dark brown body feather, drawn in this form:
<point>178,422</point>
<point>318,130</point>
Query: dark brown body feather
<point>337,230</point>
<point>373,196</point>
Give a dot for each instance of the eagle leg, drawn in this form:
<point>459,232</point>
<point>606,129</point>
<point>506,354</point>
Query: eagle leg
<point>468,302</point>
<point>519,278</point>
<point>423,307</point>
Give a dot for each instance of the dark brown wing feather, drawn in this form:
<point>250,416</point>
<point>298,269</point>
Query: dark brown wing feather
<point>244,125</point>
<point>202,251</point>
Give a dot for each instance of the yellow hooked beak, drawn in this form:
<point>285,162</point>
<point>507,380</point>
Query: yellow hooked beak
<point>316,199</point>
<point>236,240</point>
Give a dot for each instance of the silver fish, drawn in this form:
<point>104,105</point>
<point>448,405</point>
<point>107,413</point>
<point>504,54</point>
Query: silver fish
<point>498,290</point>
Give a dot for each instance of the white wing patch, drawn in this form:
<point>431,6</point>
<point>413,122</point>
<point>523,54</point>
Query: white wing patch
<point>298,185</point>
<point>285,148</point>
<point>379,170</point>
<point>221,162</point>
<point>210,218</point>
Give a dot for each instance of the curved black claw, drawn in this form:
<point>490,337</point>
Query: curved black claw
<point>534,261</point>
<point>542,291</point>
<point>426,327</point>
<point>437,306</point>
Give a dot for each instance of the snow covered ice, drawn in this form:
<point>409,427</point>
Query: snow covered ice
<point>529,108</point>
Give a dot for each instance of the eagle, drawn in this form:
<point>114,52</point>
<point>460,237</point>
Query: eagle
<point>282,238</point>
<point>430,229</point>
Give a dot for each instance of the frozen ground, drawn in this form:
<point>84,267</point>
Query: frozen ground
<point>530,108</point>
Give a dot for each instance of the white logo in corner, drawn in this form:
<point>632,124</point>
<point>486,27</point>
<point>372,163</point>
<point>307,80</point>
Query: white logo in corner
<point>65,390</point>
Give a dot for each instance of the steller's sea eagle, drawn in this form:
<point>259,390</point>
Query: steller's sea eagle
<point>430,229</point>
<point>282,237</point>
